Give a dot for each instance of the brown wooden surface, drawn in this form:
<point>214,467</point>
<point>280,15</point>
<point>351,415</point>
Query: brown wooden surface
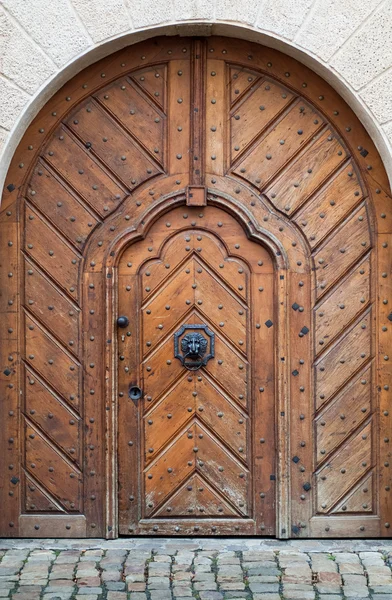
<point>107,185</point>
<point>197,438</point>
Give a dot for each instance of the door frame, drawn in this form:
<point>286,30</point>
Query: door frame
<point>292,265</point>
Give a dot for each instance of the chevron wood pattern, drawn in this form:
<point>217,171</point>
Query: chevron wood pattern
<point>206,183</point>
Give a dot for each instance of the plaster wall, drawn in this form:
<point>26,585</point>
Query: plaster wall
<point>43,43</point>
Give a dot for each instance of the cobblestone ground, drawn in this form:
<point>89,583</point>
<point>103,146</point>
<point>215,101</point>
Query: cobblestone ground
<point>203,569</point>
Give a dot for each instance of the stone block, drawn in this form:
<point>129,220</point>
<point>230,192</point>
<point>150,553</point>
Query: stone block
<point>366,54</point>
<point>284,17</point>
<point>53,25</point>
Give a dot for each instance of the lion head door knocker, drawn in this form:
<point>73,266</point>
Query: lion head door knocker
<point>193,348</point>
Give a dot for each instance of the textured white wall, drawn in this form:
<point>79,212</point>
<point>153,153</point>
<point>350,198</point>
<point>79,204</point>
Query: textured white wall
<point>43,43</point>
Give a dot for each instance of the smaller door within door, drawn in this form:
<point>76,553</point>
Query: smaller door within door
<point>196,334</point>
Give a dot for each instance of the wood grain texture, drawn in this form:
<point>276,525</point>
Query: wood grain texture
<point>283,251</point>
<point>197,430</point>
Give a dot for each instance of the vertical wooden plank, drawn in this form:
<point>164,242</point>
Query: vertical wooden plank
<point>197,112</point>
<point>129,445</point>
<point>179,99</point>
<point>94,403</point>
<point>264,332</point>
<point>216,107</point>
<point>301,407</point>
<point>10,472</point>
<point>384,379</point>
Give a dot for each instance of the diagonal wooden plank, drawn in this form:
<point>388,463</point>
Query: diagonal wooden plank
<point>342,359</point>
<point>342,471</point>
<point>352,240</point>
<point>339,418</point>
<point>153,81</point>
<point>169,469</point>
<point>195,396</point>
<point>255,112</point>
<point>137,114</point>
<point>342,306</point>
<point>196,498</point>
<point>37,498</point>
<point>169,306</point>
<point>219,467</point>
<point>168,416</point>
<point>267,156</point>
<point>62,479</point>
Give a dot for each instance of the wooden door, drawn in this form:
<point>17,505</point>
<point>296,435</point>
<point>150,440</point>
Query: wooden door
<point>197,450</point>
<point>107,185</point>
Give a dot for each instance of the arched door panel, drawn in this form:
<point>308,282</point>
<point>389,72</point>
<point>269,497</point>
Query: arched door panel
<point>279,166</point>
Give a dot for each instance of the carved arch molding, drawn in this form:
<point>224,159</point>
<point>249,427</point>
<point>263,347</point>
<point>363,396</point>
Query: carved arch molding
<point>187,127</point>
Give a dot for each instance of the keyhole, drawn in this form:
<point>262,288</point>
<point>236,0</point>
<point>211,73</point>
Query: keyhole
<point>135,393</point>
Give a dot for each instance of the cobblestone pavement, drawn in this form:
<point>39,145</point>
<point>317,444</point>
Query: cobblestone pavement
<point>208,569</point>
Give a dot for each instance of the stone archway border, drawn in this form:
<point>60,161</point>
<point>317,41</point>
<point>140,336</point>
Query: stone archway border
<point>46,44</point>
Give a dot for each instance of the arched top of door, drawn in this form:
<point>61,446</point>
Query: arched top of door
<point>251,61</point>
<point>283,240</point>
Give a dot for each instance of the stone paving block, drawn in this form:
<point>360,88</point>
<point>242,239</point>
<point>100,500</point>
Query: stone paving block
<point>205,585</point>
<point>84,591</point>
<point>327,588</point>
<point>264,571</point>
<point>266,597</point>
<point>57,596</point>
<point>157,583</point>
<point>229,560</point>
<point>297,586</point>
<point>352,568</point>
<point>349,579</point>
<point>116,596</point>
<point>87,597</point>
<point>294,595</point>
<point>356,592</point>
<point>264,587</point>
<point>115,586</point>
<point>232,585</point>
<point>346,557</point>
<point>263,578</point>
<point>378,579</point>
<point>182,592</point>
<point>63,586</point>
<point>237,595</point>
<point>26,596</point>
<point>134,578</point>
<point>327,577</point>
<point>382,597</point>
<point>89,581</point>
<point>204,577</point>
<point>136,587</point>
<point>111,576</point>
<point>208,595</point>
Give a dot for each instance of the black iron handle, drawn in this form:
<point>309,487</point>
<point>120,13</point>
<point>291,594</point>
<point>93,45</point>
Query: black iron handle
<point>123,321</point>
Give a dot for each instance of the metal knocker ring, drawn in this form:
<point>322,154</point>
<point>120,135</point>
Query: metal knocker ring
<point>193,349</point>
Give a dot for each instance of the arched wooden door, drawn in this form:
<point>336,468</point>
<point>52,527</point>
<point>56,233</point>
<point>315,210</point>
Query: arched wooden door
<point>135,183</point>
<point>190,451</point>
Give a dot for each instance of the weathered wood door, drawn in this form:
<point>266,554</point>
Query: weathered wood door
<point>225,201</point>
<point>197,449</point>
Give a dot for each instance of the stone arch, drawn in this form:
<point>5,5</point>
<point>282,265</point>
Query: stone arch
<point>369,104</point>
